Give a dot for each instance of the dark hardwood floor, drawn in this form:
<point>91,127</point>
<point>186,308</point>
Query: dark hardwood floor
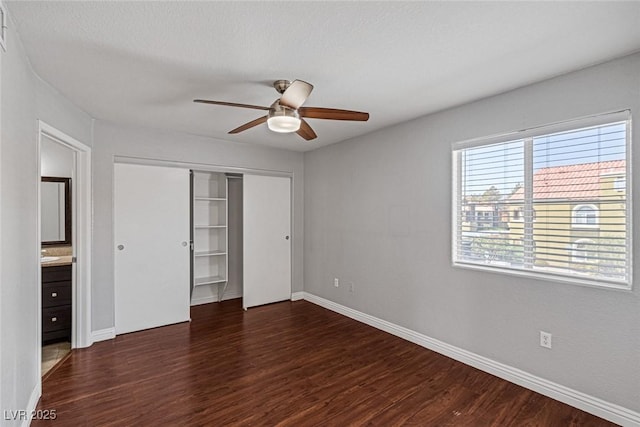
<point>291,363</point>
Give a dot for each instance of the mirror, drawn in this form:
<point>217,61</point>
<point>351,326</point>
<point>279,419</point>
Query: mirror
<point>55,205</point>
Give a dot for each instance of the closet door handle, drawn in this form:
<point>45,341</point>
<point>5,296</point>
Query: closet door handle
<point>120,247</point>
<point>286,237</point>
<point>54,294</point>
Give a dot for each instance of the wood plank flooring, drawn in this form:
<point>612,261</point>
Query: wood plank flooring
<point>285,364</point>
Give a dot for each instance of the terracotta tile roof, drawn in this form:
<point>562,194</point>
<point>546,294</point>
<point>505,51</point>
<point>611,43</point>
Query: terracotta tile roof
<point>570,182</point>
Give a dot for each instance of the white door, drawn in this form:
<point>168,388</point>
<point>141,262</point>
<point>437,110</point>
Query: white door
<point>266,239</point>
<point>151,223</point>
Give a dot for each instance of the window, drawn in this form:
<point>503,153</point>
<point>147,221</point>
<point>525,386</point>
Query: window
<point>470,213</point>
<point>550,202</point>
<point>585,215</point>
<point>584,251</point>
<point>519,217</point>
<point>517,214</point>
<point>485,219</point>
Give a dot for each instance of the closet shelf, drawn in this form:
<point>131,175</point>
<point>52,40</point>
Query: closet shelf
<point>209,221</point>
<point>210,199</point>
<point>209,253</point>
<point>200,281</point>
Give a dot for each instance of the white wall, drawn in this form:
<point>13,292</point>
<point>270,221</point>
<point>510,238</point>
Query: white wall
<point>22,103</point>
<point>115,140</point>
<point>18,295</point>
<point>60,113</point>
<point>378,213</point>
<point>55,159</point>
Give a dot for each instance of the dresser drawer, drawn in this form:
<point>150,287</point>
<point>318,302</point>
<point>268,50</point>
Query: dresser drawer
<point>56,274</point>
<point>56,293</point>
<point>56,318</point>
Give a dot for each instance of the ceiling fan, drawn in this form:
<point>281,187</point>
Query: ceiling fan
<point>287,114</point>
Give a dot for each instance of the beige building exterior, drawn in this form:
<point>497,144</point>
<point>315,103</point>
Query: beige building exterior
<point>578,221</point>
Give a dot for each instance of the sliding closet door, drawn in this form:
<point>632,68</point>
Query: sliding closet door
<point>151,223</point>
<point>266,239</point>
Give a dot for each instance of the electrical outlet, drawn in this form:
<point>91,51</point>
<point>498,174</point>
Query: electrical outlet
<point>351,287</point>
<point>336,282</point>
<point>545,339</point>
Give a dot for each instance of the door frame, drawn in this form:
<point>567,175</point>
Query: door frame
<point>205,167</point>
<point>80,238</point>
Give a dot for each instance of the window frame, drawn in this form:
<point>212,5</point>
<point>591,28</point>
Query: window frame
<point>3,27</point>
<point>563,126</point>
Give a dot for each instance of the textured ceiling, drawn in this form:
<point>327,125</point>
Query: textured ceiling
<point>143,63</point>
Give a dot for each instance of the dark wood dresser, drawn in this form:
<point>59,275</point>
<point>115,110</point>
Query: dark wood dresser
<point>56,303</point>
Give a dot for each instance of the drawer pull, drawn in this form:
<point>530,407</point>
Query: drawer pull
<point>54,319</point>
<point>54,294</point>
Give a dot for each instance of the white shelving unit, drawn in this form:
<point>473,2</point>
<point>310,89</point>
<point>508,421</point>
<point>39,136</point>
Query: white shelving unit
<point>210,236</point>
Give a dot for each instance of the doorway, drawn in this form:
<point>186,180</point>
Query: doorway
<point>64,209</point>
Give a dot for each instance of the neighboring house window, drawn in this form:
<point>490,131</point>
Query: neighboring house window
<point>585,215</point>
<point>470,214</point>
<point>517,214</point>
<point>584,251</point>
<point>559,208</point>
<point>485,218</point>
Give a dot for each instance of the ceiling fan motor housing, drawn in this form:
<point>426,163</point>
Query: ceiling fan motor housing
<point>281,85</point>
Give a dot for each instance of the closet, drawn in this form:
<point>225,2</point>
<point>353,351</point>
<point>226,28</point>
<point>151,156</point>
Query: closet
<point>216,236</point>
<point>241,227</point>
<point>237,242</point>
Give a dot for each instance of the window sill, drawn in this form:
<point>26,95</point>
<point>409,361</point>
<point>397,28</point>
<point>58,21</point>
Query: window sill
<point>549,277</point>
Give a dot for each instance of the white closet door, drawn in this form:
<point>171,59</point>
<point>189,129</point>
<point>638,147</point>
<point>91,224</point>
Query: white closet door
<point>151,223</point>
<point>266,239</point>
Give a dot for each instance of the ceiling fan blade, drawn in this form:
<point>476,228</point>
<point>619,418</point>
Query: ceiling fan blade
<point>305,131</point>
<point>296,94</point>
<point>231,104</point>
<point>249,125</point>
<point>332,114</point>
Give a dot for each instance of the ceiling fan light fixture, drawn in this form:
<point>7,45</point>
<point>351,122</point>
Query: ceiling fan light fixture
<point>283,119</point>
<point>283,124</point>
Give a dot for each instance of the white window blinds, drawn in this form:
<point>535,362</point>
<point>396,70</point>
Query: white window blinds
<point>552,204</point>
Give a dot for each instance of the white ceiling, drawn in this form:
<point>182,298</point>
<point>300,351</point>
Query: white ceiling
<point>143,63</point>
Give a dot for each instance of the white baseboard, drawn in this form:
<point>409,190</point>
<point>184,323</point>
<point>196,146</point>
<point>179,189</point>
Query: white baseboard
<point>204,300</point>
<point>297,296</point>
<point>33,403</point>
<point>214,298</point>
<point>585,402</point>
<point>235,295</point>
<point>103,335</point>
